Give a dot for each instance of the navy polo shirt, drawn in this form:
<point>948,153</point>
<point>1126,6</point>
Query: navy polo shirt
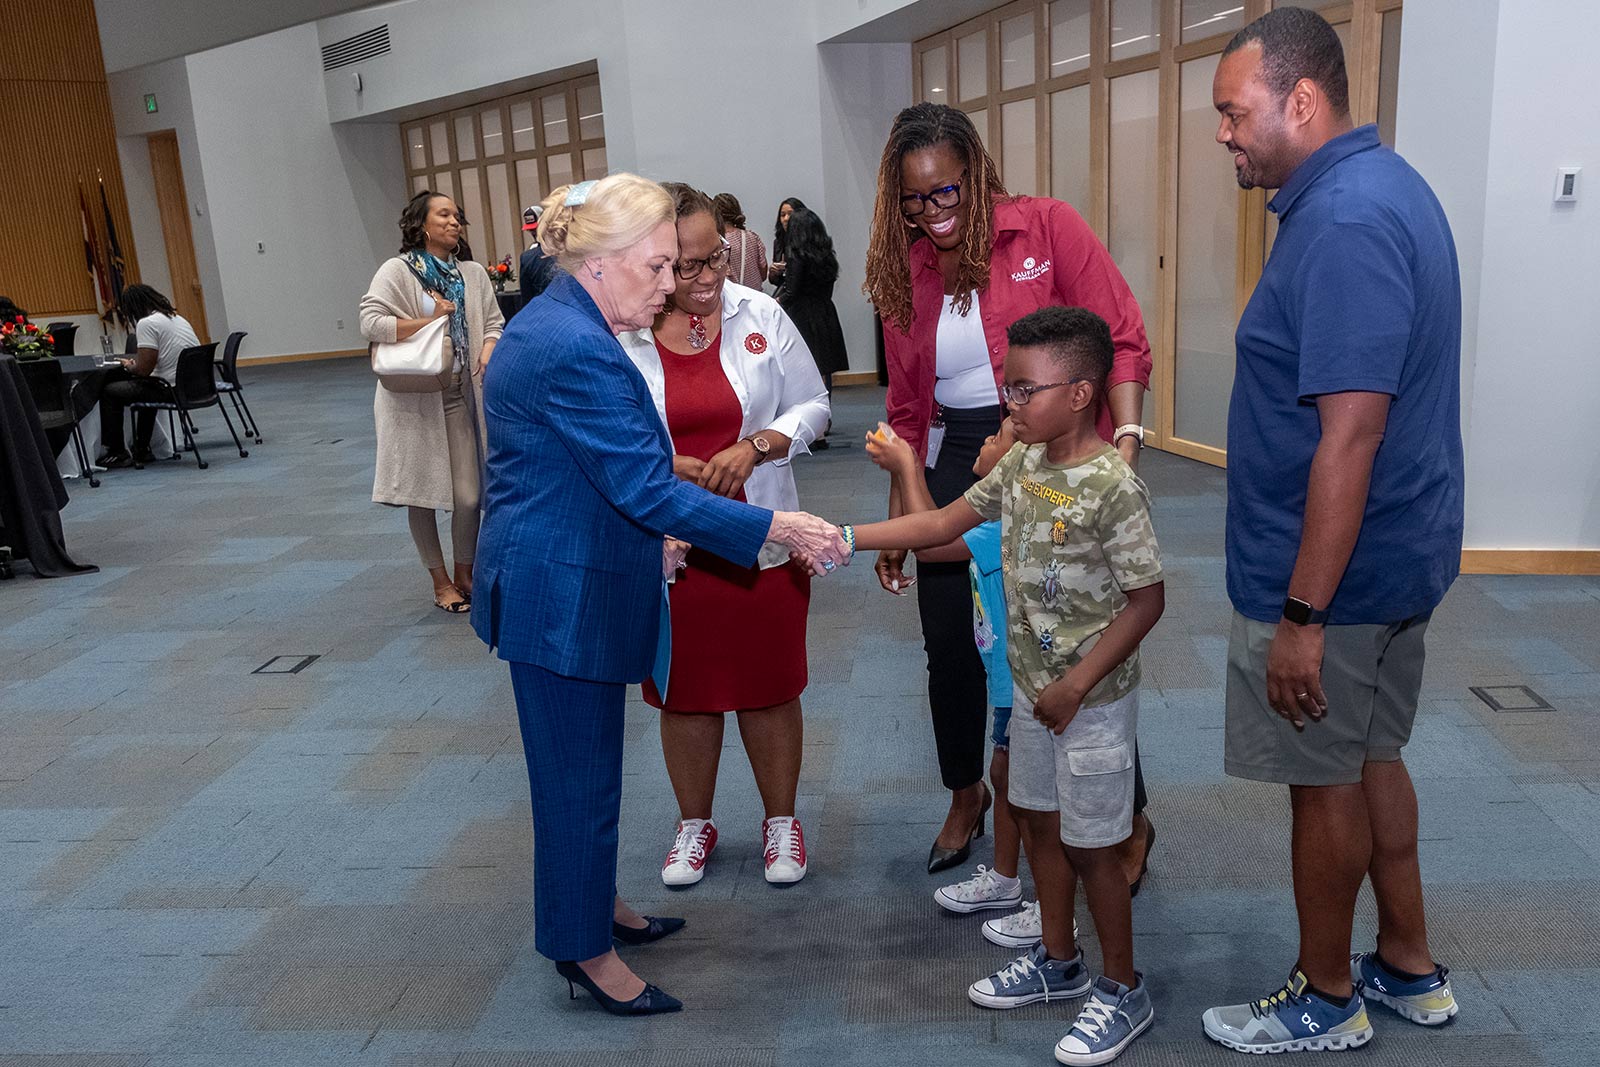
<point>1360,294</point>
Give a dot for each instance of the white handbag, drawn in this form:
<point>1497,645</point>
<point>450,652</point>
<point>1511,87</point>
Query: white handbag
<point>419,364</point>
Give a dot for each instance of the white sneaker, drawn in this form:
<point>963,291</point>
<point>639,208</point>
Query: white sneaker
<point>786,849</point>
<point>981,892</point>
<point>691,848</point>
<point>1020,929</point>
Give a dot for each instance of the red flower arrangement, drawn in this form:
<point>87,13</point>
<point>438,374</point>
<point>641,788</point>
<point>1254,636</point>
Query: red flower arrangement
<point>24,340</point>
<point>500,273</point>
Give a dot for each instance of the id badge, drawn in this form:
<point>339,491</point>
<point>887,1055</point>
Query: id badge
<point>935,441</point>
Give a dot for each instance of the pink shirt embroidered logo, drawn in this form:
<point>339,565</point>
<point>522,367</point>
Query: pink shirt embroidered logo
<point>755,343</point>
<point>1031,269</point>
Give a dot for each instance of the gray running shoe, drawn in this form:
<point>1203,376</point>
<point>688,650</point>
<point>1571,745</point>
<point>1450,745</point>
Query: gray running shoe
<point>1030,979</point>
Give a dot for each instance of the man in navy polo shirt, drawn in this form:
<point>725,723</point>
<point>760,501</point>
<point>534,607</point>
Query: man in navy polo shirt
<point>1344,523</point>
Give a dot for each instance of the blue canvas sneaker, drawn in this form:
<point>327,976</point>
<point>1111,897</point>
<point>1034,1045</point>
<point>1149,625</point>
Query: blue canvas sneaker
<point>1291,1020</point>
<point>1427,1001</point>
<point>1111,1018</point>
<point>1030,979</point>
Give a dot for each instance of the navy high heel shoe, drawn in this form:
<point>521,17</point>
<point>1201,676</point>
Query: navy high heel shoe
<point>654,929</point>
<point>651,1002</point>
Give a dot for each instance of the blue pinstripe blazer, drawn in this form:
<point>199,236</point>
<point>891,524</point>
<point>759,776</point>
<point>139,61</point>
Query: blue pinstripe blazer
<point>578,496</point>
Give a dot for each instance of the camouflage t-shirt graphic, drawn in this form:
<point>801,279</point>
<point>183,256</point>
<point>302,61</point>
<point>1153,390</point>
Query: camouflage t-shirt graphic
<point>1074,541</point>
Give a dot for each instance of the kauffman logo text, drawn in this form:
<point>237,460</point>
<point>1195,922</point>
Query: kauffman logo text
<point>1031,269</point>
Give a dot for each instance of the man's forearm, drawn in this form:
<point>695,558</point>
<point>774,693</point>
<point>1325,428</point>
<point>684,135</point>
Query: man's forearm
<point>1336,502</point>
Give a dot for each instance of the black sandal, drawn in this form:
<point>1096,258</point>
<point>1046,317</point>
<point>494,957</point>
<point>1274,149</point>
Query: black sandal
<point>460,607</point>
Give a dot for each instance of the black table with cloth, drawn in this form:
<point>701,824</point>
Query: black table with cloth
<point>31,492</point>
<point>510,303</point>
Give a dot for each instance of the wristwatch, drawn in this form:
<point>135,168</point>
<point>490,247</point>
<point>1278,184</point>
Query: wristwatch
<point>1301,613</point>
<point>1128,429</point>
<point>763,447</point>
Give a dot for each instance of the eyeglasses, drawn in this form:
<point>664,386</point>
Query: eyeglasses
<point>1021,394</point>
<point>691,268</point>
<point>944,198</point>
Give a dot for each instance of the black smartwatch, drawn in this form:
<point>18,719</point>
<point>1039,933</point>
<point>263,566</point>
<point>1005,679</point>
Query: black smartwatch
<point>1301,613</point>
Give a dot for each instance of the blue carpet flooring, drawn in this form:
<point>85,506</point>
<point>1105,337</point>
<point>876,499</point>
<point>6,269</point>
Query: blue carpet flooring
<point>205,864</point>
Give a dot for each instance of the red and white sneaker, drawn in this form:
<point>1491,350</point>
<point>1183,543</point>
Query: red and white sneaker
<point>786,849</point>
<point>691,848</point>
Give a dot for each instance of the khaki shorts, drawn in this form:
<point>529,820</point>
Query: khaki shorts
<point>1085,772</point>
<point>1372,677</point>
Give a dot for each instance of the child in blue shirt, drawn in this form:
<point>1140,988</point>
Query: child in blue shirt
<point>998,887</point>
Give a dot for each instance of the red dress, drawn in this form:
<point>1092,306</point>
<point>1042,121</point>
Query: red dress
<point>738,633</point>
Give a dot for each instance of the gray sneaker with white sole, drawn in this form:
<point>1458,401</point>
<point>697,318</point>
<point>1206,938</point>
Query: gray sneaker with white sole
<point>1030,979</point>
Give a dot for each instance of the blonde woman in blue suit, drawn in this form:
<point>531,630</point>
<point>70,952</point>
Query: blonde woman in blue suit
<point>579,501</point>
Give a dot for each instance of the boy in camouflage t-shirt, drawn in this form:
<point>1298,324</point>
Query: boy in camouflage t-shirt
<point>1083,587</point>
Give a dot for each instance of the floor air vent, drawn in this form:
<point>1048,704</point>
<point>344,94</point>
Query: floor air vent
<point>374,42</point>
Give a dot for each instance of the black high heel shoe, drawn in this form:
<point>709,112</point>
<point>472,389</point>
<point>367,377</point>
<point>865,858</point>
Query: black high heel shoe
<point>651,1002</point>
<point>654,929</point>
<point>940,859</point>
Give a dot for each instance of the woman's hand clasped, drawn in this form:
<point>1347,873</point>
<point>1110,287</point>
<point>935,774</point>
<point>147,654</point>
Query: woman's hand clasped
<point>673,556</point>
<point>728,470</point>
<point>688,468</point>
<point>812,542</point>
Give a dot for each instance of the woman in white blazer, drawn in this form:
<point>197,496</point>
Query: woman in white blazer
<point>741,396</point>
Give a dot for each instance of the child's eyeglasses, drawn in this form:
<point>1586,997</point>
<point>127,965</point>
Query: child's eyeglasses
<point>1021,394</point>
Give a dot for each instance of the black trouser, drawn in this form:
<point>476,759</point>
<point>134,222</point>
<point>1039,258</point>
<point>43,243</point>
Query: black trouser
<point>114,390</point>
<point>958,691</point>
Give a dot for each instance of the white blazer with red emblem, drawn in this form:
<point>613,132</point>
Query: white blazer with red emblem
<point>776,381</point>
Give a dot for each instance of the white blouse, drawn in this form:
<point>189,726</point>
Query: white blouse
<point>965,375</point>
<point>777,383</point>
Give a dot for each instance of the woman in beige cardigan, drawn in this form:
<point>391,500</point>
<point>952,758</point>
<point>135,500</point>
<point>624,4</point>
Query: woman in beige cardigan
<point>431,445</point>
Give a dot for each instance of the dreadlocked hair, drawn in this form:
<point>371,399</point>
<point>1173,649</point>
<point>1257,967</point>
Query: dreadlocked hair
<point>888,283</point>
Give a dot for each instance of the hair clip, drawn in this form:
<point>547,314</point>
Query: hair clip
<point>578,194</point>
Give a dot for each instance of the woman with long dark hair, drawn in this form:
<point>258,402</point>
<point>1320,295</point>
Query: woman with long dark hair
<point>780,239</point>
<point>161,333</point>
<point>747,265</point>
<point>953,260</point>
<point>807,296</point>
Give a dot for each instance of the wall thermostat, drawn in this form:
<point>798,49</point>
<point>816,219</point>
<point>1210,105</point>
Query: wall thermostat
<point>1567,184</point>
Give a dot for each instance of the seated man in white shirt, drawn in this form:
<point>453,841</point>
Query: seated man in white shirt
<point>161,334</point>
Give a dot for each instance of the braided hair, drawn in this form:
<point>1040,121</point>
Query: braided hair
<point>888,283</point>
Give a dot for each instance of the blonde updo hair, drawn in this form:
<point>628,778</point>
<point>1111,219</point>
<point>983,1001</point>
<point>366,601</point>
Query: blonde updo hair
<point>618,212</point>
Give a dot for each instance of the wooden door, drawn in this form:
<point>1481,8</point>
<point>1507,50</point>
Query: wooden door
<point>167,170</point>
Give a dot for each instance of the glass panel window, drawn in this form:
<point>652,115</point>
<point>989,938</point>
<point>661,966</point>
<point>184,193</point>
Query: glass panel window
<point>1069,147</point>
<point>522,127</point>
<point>1207,18</point>
<point>591,116</point>
<point>1135,201</point>
<point>554,109</point>
<point>470,201</point>
<point>560,169</point>
<point>1016,52</point>
<point>444,182</point>
<point>418,184</point>
<point>594,163</point>
<point>1135,27</point>
<point>1019,159</point>
<point>466,138</point>
<point>980,119</point>
<point>972,65</point>
<point>439,135</point>
<point>416,149</point>
<point>494,140</point>
<point>1389,76</point>
<point>936,75</point>
<point>1208,249</point>
<point>507,218</point>
<point>1069,37</point>
<point>529,190</point>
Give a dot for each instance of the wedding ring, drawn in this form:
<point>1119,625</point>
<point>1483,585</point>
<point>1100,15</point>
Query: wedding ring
<point>1301,696</point>
<point>828,564</point>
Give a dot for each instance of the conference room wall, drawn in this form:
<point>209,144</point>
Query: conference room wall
<point>737,98</point>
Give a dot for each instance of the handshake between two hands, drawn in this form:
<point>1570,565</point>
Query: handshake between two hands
<point>813,543</point>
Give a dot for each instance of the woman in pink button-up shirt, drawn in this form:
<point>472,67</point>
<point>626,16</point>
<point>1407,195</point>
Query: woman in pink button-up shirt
<point>954,259</point>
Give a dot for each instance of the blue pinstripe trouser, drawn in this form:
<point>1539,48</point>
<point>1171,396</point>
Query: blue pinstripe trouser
<point>572,738</point>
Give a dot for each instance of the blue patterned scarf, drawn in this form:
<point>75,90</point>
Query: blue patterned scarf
<point>443,278</point>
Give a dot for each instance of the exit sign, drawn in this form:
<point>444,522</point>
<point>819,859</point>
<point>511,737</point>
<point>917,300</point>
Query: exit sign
<point>150,104</point>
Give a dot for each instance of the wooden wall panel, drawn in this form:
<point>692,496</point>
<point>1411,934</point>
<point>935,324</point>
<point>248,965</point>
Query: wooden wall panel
<point>55,127</point>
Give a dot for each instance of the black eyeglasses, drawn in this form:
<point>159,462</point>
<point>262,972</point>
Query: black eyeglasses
<point>944,198</point>
<point>691,268</point>
<point>1021,394</point>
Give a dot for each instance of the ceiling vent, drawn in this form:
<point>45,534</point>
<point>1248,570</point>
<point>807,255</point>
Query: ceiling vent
<point>374,42</point>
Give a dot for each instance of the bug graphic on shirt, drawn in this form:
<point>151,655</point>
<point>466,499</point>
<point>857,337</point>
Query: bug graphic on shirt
<point>1047,643</point>
<point>1050,586</point>
<point>1058,533</point>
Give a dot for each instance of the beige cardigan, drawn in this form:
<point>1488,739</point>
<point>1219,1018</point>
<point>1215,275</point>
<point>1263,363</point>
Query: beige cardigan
<point>413,447</point>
